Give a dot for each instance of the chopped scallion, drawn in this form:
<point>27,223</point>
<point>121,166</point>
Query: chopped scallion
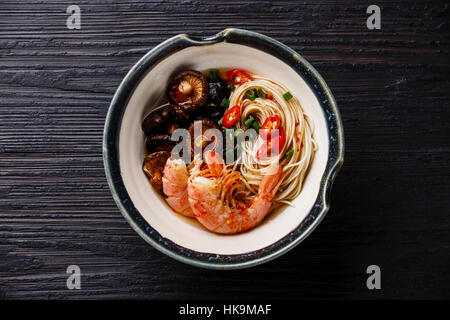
<point>287,96</point>
<point>214,74</point>
<point>249,121</point>
<point>231,86</point>
<point>225,103</point>
<point>261,93</point>
<point>256,126</point>
<point>289,154</point>
<point>250,94</point>
<point>219,123</point>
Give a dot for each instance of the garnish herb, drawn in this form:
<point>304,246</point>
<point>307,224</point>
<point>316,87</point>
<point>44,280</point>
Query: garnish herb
<point>287,96</point>
<point>256,126</point>
<point>250,94</point>
<point>225,103</point>
<point>214,74</point>
<point>249,121</point>
<point>261,93</point>
<point>289,154</point>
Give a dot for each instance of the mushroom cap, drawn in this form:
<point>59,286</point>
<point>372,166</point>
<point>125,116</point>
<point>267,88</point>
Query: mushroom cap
<point>158,119</point>
<point>201,141</point>
<point>159,142</point>
<point>189,88</point>
<point>153,166</point>
<point>218,91</point>
<point>182,115</point>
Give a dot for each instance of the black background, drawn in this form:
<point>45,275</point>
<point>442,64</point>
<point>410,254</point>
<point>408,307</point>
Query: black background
<point>389,204</point>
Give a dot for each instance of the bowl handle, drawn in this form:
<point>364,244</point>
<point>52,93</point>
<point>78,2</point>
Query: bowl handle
<point>195,40</point>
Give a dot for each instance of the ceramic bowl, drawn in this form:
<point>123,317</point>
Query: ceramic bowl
<point>184,239</point>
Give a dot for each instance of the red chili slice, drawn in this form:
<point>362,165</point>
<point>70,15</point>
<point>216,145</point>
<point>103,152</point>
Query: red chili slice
<point>268,129</point>
<point>231,117</point>
<point>238,77</point>
<point>270,144</point>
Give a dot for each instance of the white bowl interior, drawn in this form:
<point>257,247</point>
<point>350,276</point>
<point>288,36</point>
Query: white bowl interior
<point>151,91</point>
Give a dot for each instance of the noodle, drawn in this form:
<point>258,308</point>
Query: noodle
<point>298,127</point>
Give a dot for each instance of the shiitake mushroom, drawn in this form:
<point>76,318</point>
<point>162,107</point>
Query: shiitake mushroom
<point>211,112</point>
<point>166,119</point>
<point>190,88</point>
<point>161,123</point>
<point>183,116</point>
<point>158,119</point>
<point>153,166</point>
<point>191,96</point>
<point>218,92</point>
<point>172,127</point>
<point>159,142</point>
<point>201,141</point>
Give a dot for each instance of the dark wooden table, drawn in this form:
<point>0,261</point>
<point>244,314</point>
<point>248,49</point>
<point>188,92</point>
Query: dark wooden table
<point>390,203</point>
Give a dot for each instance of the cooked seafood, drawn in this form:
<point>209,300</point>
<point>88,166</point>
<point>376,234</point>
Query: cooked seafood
<point>174,182</point>
<point>216,211</point>
<point>175,186</point>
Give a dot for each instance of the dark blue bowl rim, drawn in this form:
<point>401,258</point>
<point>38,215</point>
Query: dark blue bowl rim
<point>112,161</point>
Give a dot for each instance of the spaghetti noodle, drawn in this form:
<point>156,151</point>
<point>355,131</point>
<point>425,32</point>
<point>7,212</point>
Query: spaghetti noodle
<point>298,151</point>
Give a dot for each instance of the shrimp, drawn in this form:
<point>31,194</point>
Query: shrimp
<point>211,197</point>
<point>175,186</point>
<point>174,182</point>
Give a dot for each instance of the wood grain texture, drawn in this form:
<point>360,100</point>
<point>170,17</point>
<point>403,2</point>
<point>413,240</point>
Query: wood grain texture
<point>389,205</point>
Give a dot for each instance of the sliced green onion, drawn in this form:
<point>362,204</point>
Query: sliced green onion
<point>231,86</point>
<point>250,94</point>
<point>219,123</point>
<point>289,154</point>
<point>256,126</point>
<point>214,74</point>
<point>287,96</point>
<point>261,93</point>
<point>225,103</point>
<point>249,121</point>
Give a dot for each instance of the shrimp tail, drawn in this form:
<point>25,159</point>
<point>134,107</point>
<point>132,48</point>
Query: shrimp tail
<point>271,182</point>
<point>214,161</point>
